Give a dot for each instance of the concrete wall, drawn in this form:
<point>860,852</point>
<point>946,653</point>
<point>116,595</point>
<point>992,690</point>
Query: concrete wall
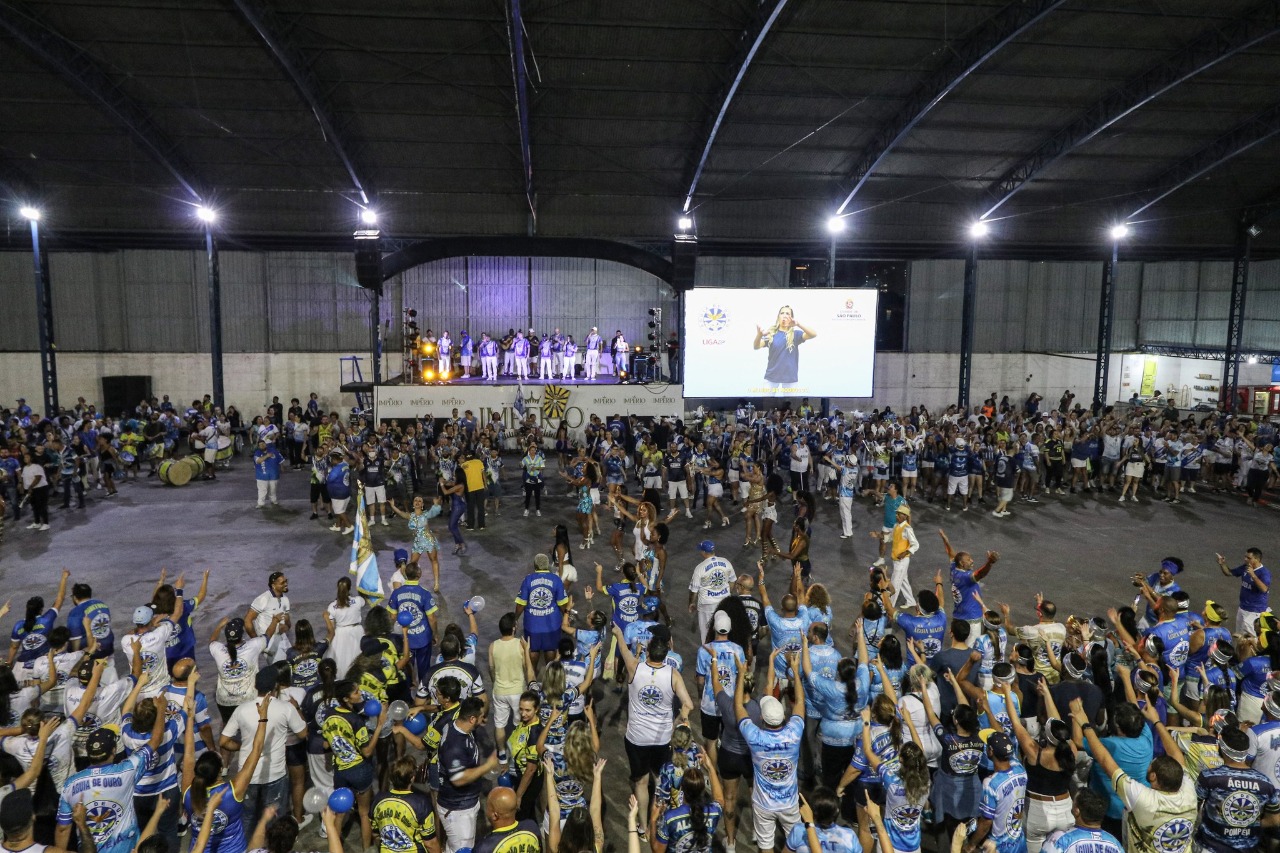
<point>251,379</point>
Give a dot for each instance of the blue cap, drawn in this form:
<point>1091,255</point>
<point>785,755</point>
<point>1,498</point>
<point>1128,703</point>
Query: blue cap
<point>708,546</point>
<point>402,556</point>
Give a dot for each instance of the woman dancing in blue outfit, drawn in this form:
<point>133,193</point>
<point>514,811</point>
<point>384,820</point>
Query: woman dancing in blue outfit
<point>457,508</point>
<point>424,541</point>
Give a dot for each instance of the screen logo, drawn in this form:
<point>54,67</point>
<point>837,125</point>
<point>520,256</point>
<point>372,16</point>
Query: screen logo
<point>714,318</point>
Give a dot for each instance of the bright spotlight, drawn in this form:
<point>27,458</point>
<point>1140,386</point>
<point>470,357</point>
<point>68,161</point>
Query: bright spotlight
<point>206,214</point>
<point>31,213</point>
<point>685,223</point>
<point>369,216</point>
<point>428,374</point>
<point>1253,359</point>
<point>979,229</point>
<point>835,224</point>
<point>1119,232</point>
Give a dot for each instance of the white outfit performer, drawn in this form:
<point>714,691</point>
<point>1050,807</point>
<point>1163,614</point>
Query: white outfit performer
<point>900,577</point>
<point>593,343</point>
<point>712,582</point>
<point>544,359</point>
<point>488,364</point>
<point>521,351</point>
<point>445,362</point>
<point>569,359</point>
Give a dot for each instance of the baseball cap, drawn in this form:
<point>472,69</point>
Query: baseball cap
<point>707,545</point>
<point>402,556</point>
<point>541,562</point>
<point>143,614</point>
<point>771,711</point>
<point>1000,745</point>
<point>959,442</point>
<point>234,630</point>
<point>722,622</point>
<point>101,743</point>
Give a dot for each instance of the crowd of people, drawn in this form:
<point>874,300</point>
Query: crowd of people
<point>905,724</point>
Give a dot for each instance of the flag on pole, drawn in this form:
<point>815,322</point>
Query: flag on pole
<point>364,563</point>
<point>519,404</point>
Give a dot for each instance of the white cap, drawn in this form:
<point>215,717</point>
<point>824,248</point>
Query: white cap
<point>772,712</point>
<point>722,622</point>
<point>959,442</point>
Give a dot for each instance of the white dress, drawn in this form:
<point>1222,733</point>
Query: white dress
<point>348,628</point>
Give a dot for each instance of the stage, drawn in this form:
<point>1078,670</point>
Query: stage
<point>572,402</point>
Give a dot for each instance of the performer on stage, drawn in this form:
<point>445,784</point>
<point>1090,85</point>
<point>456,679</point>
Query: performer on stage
<point>508,356</point>
<point>621,353</point>
<point>570,356</point>
<point>592,344</point>
<point>557,352</point>
<point>544,359</point>
<point>520,349</point>
<point>488,358</point>
<point>464,350</point>
<point>445,363</point>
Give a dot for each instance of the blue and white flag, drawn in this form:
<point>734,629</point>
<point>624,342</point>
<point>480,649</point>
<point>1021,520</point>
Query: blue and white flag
<point>519,404</point>
<point>364,562</point>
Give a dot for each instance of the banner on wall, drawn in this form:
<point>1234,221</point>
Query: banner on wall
<point>574,404</point>
<point>1148,386</point>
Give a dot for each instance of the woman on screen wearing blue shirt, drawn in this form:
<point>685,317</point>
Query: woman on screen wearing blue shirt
<point>782,371</point>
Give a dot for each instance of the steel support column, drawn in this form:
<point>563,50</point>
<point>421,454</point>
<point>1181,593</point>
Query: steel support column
<point>520,77</point>
<point>1235,318</point>
<point>375,308</point>
<point>1106,312</point>
<point>831,263</point>
<point>215,316</point>
<point>44,321</point>
<point>966,324</point>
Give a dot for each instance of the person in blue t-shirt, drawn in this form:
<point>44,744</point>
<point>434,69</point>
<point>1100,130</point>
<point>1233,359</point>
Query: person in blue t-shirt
<point>1002,809</point>
<point>97,615</point>
<point>966,591</point>
<point>542,600</point>
<point>1087,834</point>
<point>338,483</point>
<point>1255,586</point>
<point>30,638</point>
<point>410,597</point>
<point>182,644</point>
<point>891,502</point>
<point>819,832</point>
<point>782,340</point>
<point>775,753</point>
<point>927,625</point>
<point>266,471</point>
<point>1235,798</point>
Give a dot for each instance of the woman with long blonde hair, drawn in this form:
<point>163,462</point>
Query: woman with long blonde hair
<point>782,370</point>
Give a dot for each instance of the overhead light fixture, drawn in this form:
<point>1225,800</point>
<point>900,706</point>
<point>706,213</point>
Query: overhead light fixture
<point>1119,231</point>
<point>369,216</point>
<point>685,223</point>
<point>30,213</point>
<point>1253,359</point>
<point>206,214</point>
<point>1255,231</point>
<point>979,229</point>
<point>835,224</point>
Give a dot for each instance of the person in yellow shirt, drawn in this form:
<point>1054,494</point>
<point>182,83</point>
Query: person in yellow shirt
<point>902,544</point>
<point>473,474</point>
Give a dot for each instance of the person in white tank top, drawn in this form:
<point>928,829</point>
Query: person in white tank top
<point>652,687</point>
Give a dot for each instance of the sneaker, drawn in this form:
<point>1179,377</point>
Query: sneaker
<point>502,756</point>
<point>1175,501</point>
<point>324,833</point>
<point>261,504</point>
<point>112,494</point>
<point>1192,490</point>
<point>1061,491</point>
<point>331,516</point>
<point>33,525</point>
<point>538,513</point>
<point>347,529</point>
<point>306,821</point>
<point>995,514</point>
<point>879,562</point>
<point>687,514</point>
<point>526,513</point>
<point>1031,499</point>
<point>845,536</point>
<point>384,523</point>
<point>1122,499</point>
<point>336,529</point>
<point>964,508</point>
<point>314,516</point>
<point>43,527</point>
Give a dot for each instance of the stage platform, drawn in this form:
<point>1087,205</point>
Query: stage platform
<point>479,382</point>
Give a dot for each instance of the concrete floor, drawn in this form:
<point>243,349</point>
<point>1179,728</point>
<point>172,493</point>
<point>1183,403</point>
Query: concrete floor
<point>1078,551</point>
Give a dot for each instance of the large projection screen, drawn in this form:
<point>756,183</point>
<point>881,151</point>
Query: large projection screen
<point>779,343</point>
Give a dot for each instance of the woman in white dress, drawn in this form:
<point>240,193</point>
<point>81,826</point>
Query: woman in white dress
<point>344,618</point>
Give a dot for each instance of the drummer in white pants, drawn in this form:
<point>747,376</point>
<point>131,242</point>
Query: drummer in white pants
<point>902,544</point>
<point>207,440</point>
<point>711,583</point>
